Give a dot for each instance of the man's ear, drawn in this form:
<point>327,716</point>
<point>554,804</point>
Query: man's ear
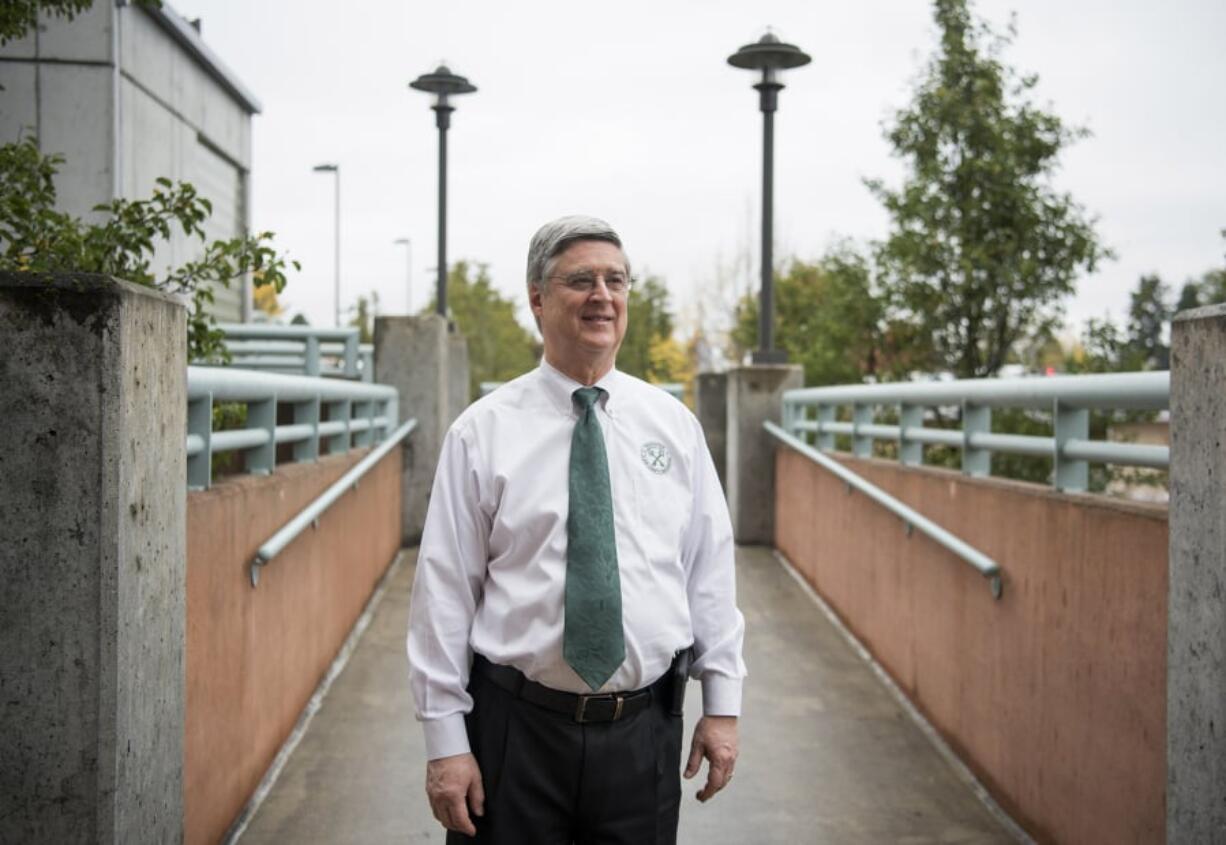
<point>534,299</point>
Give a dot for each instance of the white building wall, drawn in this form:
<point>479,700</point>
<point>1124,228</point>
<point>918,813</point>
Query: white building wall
<point>171,115</point>
<point>67,101</point>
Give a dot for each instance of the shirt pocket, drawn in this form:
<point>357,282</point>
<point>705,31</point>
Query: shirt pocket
<point>663,500</point>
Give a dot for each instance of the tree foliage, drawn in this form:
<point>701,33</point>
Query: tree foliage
<point>35,237</point>
<point>1149,314</point>
<point>649,350</point>
<point>982,250</point>
<point>499,347</point>
<point>362,316</point>
<point>1209,289</point>
<point>17,17</point>
<point>830,319</point>
<point>264,299</point>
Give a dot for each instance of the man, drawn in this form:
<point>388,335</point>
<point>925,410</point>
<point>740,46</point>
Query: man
<point>577,550</point>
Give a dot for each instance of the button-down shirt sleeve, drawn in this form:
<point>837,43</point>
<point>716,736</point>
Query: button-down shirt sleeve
<point>708,555</point>
<point>447,588</point>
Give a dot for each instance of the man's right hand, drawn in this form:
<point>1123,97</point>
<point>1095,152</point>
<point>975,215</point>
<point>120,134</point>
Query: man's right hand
<point>453,785</point>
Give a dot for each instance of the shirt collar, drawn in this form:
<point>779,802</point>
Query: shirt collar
<point>560,388</point>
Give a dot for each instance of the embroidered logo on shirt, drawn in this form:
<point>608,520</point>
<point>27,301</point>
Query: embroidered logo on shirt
<point>656,457</point>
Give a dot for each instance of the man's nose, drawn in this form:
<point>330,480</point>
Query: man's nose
<point>601,289</point>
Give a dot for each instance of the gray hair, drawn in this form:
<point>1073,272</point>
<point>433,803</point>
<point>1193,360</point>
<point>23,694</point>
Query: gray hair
<point>552,239</point>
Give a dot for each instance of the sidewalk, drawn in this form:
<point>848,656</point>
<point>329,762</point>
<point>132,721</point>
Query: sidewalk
<point>827,755</point>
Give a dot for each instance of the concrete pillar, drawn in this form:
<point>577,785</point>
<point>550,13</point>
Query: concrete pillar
<point>1196,620</point>
<point>711,404</point>
<point>92,561</point>
<point>457,373</point>
<point>415,355</point>
<point>755,394</point>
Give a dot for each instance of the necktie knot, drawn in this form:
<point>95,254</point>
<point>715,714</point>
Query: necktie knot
<point>585,397</point>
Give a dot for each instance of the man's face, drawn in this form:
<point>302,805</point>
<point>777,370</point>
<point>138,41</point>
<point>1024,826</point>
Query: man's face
<point>582,326</point>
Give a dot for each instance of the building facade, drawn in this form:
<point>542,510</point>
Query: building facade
<point>128,94</point>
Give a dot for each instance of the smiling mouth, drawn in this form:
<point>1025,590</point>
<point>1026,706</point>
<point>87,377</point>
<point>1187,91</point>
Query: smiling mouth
<point>598,318</point>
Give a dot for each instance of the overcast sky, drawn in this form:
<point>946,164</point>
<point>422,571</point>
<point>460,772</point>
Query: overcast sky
<point>629,111</point>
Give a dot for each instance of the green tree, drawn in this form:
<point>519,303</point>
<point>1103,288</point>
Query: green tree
<point>1212,285</point>
<point>1189,296</point>
<point>828,319</point>
<point>17,17</point>
<point>1148,317</point>
<point>362,316</point>
<point>1102,349</point>
<point>646,350</point>
<point>982,250</point>
<point>499,347</point>
<point>34,237</point>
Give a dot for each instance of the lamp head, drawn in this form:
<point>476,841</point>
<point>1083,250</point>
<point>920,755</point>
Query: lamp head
<point>442,82</point>
<point>768,53</point>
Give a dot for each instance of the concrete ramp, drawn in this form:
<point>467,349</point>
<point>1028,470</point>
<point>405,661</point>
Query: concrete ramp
<point>827,754</point>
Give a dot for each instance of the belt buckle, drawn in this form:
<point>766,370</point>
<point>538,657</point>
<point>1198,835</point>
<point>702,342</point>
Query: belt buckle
<point>617,698</point>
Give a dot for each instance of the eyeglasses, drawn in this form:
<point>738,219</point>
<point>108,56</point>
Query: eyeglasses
<point>584,281</point>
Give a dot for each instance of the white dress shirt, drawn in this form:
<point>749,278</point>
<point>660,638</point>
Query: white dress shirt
<point>491,568</point>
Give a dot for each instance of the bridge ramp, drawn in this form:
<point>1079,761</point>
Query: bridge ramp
<point>828,755</point>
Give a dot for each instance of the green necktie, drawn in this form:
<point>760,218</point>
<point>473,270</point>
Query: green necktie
<point>592,640</point>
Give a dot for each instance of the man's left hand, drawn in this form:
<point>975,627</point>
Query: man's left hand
<point>715,738</point>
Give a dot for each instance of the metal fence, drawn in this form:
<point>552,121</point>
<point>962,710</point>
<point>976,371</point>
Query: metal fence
<point>324,413</point>
<point>811,414</point>
<point>333,353</point>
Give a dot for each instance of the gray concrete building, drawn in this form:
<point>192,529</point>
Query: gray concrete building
<point>128,94</point>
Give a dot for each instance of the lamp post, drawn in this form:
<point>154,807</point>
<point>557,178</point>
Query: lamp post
<point>445,84</point>
<point>408,282</point>
<point>768,55</point>
<point>335,170</point>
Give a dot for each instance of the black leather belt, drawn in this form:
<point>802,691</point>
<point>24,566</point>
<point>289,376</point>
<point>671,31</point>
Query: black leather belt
<point>584,709</point>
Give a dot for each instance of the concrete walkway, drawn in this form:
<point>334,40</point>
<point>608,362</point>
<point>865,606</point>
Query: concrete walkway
<point>827,755</point>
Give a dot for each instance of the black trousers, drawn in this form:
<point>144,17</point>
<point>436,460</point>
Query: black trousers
<point>551,781</point>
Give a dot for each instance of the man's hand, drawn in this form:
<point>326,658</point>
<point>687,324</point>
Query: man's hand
<point>453,785</point>
<point>714,738</point>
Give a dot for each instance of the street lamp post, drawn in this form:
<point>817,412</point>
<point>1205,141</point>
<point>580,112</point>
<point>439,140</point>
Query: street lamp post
<point>768,55</point>
<point>335,170</point>
<point>445,84</point>
<point>408,281</point>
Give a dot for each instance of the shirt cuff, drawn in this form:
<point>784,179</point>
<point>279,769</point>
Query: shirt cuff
<point>721,696</point>
<point>445,737</point>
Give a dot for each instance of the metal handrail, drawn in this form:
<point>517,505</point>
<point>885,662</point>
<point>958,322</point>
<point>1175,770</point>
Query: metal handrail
<point>985,565</point>
<point>1068,398</point>
<point>311,513</point>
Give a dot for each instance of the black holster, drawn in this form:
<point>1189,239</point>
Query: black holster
<point>681,673</point>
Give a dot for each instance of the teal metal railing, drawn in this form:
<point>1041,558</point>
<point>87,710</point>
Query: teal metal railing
<point>302,350</point>
<point>335,414</point>
<point>811,415</point>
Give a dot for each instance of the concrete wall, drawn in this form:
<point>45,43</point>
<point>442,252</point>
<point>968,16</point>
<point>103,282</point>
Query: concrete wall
<point>125,103</point>
<point>255,656</point>
<point>91,561</point>
<point>754,395</point>
<point>1196,678</point>
<point>427,363</point>
<point>1055,695</point>
<point>711,406</point>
